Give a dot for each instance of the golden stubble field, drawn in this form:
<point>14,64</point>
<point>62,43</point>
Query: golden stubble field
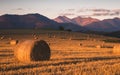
<point>72,53</point>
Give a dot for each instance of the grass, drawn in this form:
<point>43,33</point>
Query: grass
<point>67,56</point>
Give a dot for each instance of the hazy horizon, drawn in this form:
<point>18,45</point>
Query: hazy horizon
<point>100,9</point>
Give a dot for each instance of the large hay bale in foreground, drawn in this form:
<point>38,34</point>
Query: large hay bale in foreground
<point>116,49</point>
<point>31,50</point>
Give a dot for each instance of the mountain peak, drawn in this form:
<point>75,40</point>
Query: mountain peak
<point>26,21</point>
<point>84,20</point>
<point>62,19</point>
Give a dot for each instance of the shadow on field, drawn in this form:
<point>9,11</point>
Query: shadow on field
<point>92,58</point>
<point>6,55</point>
<point>65,62</point>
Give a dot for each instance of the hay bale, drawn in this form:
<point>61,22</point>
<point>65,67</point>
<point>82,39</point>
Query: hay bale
<point>35,38</point>
<point>9,38</point>
<point>116,49</point>
<point>2,37</point>
<point>54,36</point>
<point>70,38</point>
<point>31,50</point>
<point>98,46</point>
<point>13,42</point>
<point>81,44</point>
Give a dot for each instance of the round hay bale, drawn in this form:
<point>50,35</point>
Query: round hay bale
<point>31,50</point>
<point>2,37</point>
<point>9,38</point>
<point>35,38</point>
<point>98,46</point>
<point>116,49</point>
<point>54,36</point>
<point>81,44</point>
<point>70,38</point>
<point>13,42</point>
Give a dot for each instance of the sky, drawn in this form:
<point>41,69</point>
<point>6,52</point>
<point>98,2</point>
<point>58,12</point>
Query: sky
<point>101,9</point>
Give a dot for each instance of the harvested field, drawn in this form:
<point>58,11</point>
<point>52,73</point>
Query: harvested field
<point>68,57</point>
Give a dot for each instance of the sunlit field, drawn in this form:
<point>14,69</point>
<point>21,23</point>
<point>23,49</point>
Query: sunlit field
<point>72,53</point>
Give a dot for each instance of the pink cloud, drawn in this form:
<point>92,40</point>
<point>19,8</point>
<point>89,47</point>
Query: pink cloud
<point>67,14</point>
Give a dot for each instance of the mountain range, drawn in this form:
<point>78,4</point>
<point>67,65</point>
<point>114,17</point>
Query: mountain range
<point>107,25</point>
<point>77,20</point>
<point>37,21</point>
<point>26,21</point>
<point>34,21</point>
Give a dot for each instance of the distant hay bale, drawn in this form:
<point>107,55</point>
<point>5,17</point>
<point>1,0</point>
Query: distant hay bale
<point>31,50</point>
<point>116,49</point>
<point>34,35</point>
<point>54,36</point>
<point>93,39</point>
<point>13,42</point>
<point>2,37</point>
<point>9,38</point>
<point>98,46</point>
<point>35,38</point>
<point>70,38</point>
<point>81,44</point>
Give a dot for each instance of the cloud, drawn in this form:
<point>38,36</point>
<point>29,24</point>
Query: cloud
<point>106,14</point>
<point>115,13</point>
<point>82,10</point>
<point>67,14</point>
<point>91,12</point>
<point>97,10</point>
<point>100,14</point>
<point>100,10</point>
<point>70,10</point>
<point>18,9</point>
